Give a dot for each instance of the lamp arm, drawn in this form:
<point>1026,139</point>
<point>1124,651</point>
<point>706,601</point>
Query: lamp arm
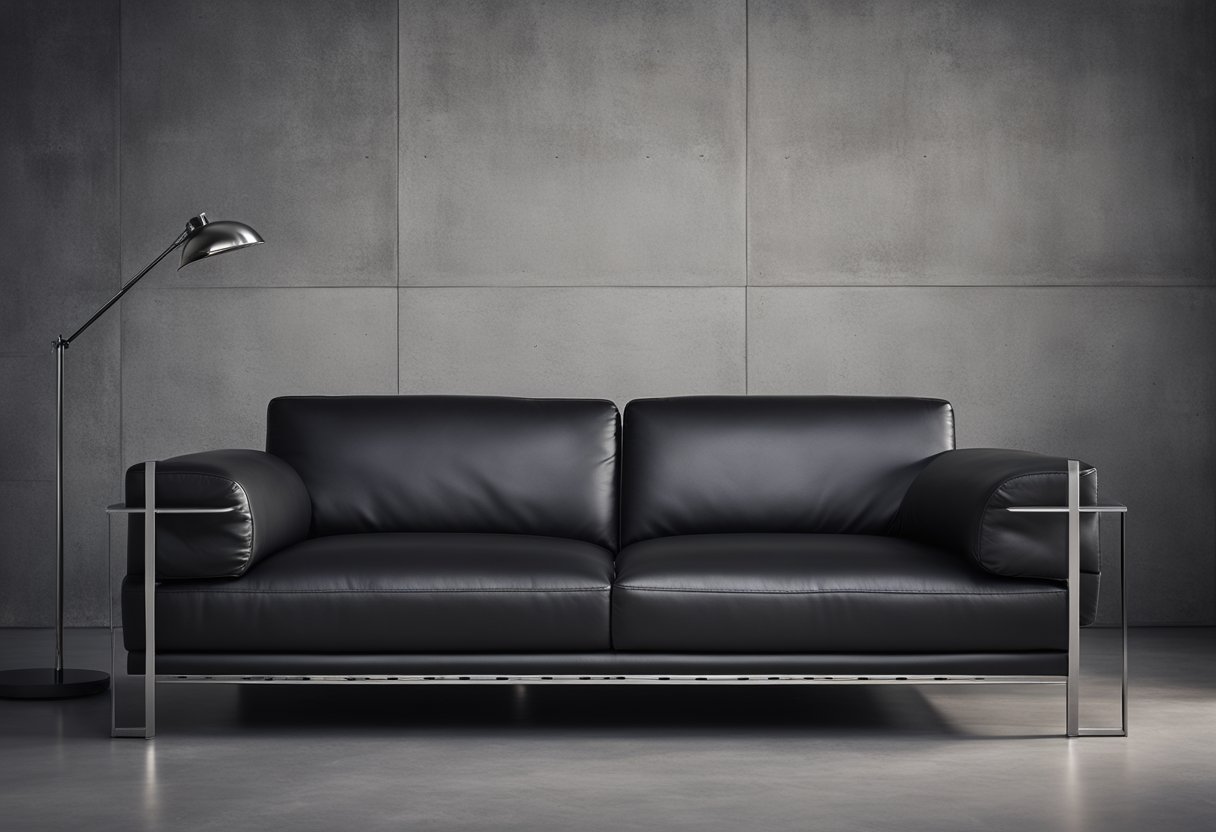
<point>64,343</point>
<point>61,345</point>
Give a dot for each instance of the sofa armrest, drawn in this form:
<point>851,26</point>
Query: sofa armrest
<point>959,501</point>
<point>271,510</point>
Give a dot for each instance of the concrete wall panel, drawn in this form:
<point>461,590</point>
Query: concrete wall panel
<point>27,556</point>
<point>573,143</point>
<point>981,141</point>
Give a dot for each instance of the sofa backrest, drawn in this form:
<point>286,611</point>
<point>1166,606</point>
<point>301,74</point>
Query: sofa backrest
<point>814,464</point>
<point>453,463</point>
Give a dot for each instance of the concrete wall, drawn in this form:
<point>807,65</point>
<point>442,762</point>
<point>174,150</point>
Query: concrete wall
<point>1007,205</point>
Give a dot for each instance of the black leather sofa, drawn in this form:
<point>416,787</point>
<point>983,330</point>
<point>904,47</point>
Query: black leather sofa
<point>462,536</point>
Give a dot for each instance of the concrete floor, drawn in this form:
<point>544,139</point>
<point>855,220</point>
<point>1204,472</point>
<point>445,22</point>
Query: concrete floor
<point>592,758</point>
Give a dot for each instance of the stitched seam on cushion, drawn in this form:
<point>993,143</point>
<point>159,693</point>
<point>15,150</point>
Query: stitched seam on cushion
<point>837,591</point>
<point>368,591</point>
<point>984,513</point>
<point>195,474</point>
<point>253,529</point>
<point>248,560</point>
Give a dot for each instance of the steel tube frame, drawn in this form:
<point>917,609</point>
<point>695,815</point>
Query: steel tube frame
<point>149,510</point>
<point>1074,509</point>
<point>1071,680</point>
<point>59,348</point>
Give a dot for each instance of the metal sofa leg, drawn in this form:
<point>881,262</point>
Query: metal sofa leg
<point>148,729</point>
<point>1074,509</point>
<point>1073,697</point>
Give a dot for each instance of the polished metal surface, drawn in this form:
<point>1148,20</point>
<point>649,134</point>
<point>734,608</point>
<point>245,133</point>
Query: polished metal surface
<point>150,511</point>
<point>1122,729</point>
<point>202,238</point>
<point>208,238</point>
<point>1123,617</point>
<point>1074,510</point>
<point>1073,706</point>
<point>150,598</point>
<point>1065,509</point>
<point>60,347</point>
<point>614,680</point>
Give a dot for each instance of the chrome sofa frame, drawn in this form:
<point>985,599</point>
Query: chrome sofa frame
<point>1071,680</point>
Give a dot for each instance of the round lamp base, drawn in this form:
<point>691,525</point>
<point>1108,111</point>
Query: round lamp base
<point>45,683</point>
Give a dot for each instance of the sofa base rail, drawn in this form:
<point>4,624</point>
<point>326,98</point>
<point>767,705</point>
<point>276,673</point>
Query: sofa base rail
<point>607,664</point>
<point>616,680</point>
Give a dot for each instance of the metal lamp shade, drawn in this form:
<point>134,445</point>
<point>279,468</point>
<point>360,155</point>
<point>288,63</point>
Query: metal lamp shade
<point>216,238</point>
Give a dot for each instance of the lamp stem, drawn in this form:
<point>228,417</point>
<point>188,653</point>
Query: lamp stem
<point>60,346</point>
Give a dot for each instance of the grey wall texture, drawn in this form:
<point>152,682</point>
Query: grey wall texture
<point>1008,205</point>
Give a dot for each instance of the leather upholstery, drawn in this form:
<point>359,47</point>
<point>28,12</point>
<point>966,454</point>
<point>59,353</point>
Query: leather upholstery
<point>392,593</point>
<point>453,464</point>
<point>814,464</point>
<point>797,593</point>
<point>271,510</point>
<point>456,535</point>
<point>959,501</point>
<point>1045,663</point>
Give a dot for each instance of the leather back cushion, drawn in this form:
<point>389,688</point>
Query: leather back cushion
<point>814,464</point>
<point>453,463</point>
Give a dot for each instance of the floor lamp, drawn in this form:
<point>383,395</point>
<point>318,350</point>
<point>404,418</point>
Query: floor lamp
<point>200,238</point>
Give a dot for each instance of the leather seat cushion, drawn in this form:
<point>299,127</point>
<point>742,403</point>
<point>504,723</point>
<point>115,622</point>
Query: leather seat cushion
<point>393,592</point>
<point>808,593</point>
